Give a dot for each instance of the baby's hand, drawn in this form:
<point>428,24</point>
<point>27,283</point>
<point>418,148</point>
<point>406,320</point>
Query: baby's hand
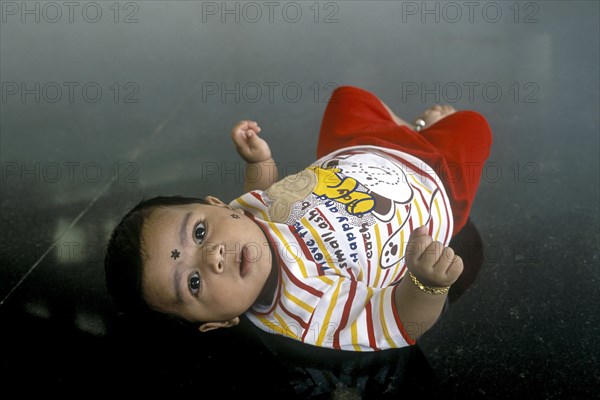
<point>430,262</point>
<point>250,147</point>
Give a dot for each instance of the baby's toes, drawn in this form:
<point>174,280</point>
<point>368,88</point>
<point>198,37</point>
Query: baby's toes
<point>448,110</point>
<point>433,111</point>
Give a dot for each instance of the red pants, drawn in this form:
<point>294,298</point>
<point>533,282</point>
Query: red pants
<point>456,147</point>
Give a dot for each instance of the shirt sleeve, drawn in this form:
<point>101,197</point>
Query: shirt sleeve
<point>353,316</point>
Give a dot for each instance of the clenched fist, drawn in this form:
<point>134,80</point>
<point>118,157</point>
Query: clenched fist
<point>430,262</point>
<point>248,144</point>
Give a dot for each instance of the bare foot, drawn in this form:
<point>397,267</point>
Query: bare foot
<point>435,113</point>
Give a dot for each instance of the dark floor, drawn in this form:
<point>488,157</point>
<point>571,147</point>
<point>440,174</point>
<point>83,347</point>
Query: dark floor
<point>97,115</point>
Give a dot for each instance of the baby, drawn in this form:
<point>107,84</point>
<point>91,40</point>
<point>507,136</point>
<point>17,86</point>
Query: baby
<point>350,253</point>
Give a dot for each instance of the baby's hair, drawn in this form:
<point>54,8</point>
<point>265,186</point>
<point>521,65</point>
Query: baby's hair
<point>124,258</point>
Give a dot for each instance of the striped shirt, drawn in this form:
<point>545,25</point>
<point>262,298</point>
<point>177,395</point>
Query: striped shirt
<point>339,230</point>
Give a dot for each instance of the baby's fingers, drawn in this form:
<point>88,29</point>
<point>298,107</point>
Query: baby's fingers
<point>417,244</point>
<point>242,125</point>
<point>239,137</point>
<point>443,262</point>
<point>254,125</point>
<point>432,253</point>
<point>252,138</point>
<point>455,269</point>
<point>448,268</point>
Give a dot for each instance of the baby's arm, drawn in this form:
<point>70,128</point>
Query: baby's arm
<point>433,265</point>
<point>261,171</point>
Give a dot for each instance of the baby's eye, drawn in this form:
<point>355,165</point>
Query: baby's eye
<point>199,232</point>
<point>194,283</point>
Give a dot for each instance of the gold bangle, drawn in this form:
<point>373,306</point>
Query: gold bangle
<point>428,289</point>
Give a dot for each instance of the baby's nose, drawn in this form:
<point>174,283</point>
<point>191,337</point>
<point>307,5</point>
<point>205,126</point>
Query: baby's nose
<point>213,256</point>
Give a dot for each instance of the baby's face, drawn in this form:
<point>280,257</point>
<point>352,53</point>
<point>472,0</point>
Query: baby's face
<point>206,263</point>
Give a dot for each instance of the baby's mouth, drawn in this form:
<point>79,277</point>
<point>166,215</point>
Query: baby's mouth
<point>245,261</point>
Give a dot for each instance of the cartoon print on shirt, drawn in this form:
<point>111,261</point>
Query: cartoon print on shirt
<point>343,189</point>
<point>384,181</point>
<point>326,184</point>
<point>289,191</point>
<point>366,186</point>
<point>391,253</point>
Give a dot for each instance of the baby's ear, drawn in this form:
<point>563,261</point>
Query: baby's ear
<point>209,326</point>
<point>214,201</point>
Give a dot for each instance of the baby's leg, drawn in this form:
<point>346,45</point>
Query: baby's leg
<point>430,116</point>
<point>397,119</point>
